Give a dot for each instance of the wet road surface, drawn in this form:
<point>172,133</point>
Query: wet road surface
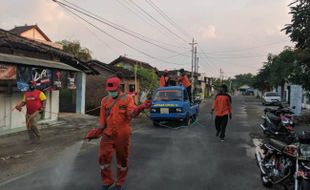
<point>190,158</point>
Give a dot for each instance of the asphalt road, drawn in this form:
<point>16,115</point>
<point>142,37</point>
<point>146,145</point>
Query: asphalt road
<point>190,158</point>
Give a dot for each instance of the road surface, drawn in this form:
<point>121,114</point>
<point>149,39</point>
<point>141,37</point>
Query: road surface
<point>190,158</point>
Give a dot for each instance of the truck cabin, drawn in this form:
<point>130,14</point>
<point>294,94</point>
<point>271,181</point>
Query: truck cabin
<point>171,94</point>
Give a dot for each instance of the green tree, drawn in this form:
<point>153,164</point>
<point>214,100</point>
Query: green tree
<point>243,79</point>
<point>299,32</point>
<point>148,79</point>
<point>75,48</point>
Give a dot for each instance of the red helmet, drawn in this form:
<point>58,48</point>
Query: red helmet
<point>112,84</point>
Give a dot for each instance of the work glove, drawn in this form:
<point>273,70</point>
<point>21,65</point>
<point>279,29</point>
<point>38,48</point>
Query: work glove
<point>230,116</point>
<point>93,133</point>
<point>18,107</point>
<point>145,105</point>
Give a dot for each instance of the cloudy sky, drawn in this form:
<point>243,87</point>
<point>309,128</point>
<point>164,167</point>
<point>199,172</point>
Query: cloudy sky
<point>233,35</point>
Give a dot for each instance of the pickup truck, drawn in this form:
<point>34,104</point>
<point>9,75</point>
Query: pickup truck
<point>172,104</point>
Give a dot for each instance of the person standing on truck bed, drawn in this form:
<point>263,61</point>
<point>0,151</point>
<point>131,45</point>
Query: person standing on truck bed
<point>223,109</point>
<point>183,79</point>
<point>164,79</point>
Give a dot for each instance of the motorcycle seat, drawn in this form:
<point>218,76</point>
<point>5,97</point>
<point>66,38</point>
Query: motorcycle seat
<point>274,119</point>
<point>277,144</point>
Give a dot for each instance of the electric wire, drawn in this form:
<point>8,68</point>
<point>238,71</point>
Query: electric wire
<point>145,19</point>
<point>167,18</point>
<point>158,22</point>
<point>113,37</point>
<point>115,26</point>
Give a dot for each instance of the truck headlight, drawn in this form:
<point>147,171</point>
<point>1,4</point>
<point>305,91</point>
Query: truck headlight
<point>153,110</point>
<point>178,110</point>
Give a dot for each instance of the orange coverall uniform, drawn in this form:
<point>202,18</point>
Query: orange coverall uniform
<point>115,137</point>
<point>223,108</point>
<point>163,81</point>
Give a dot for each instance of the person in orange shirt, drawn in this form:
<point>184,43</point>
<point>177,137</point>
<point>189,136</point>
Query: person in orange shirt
<point>35,103</point>
<point>183,79</point>
<point>117,109</point>
<point>164,79</point>
<point>223,109</point>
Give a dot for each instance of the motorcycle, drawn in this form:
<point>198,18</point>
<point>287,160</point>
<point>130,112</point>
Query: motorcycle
<point>279,124</point>
<point>286,164</point>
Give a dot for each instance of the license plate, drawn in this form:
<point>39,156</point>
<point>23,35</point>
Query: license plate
<point>164,110</point>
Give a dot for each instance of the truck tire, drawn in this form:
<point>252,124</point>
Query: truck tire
<point>156,123</point>
<point>187,121</point>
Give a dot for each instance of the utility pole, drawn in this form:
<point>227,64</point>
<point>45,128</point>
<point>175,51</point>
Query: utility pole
<point>193,60</point>
<point>221,76</point>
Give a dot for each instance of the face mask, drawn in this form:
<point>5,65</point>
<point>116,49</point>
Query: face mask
<point>113,94</point>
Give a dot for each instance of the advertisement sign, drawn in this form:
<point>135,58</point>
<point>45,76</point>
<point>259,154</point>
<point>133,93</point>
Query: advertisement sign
<point>23,76</point>
<point>7,72</point>
<point>71,80</point>
<point>57,79</point>
<point>43,78</point>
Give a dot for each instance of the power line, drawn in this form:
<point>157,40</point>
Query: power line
<point>167,18</point>
<point>158,22</point>
<point>145,19</point>
<point>111,36</point>
<point>113,25</point>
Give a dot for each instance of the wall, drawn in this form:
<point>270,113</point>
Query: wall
<point>36,35</point>
<point>15,120</point>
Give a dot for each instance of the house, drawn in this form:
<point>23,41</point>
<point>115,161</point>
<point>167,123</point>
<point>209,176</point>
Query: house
<point>33,32</point>
<point>129,64</point>
<point>95,84</point>
<point>23,59</point>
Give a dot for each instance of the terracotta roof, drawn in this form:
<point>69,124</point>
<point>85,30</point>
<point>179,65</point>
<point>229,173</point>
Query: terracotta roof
<point>9,43</point>
<point>20,29</point>
<point>111,68</point>
<point>132,62</point>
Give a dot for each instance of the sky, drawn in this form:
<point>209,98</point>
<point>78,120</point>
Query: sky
<point>235,36</point>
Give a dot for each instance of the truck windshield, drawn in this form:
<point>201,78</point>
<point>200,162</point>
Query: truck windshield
<point>168,95</point>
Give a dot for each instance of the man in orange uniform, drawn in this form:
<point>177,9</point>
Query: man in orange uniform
<point>164,79</point>
<point>117,109</point>
<point>35,103</point>
<point>183,79</point>
<point>223,110</point>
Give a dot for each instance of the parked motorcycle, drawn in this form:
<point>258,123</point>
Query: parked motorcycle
<point>286,164</point>
<point>279,124</point>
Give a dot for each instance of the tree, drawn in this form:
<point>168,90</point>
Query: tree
<point>74,48</point>
<point>148,79</point>
<point>299,31</point>
<point>243,79</point>
<point>299,28</point>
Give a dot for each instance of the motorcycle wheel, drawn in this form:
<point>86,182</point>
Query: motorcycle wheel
<point>265,181</point>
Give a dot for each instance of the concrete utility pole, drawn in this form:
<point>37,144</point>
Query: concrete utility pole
<point>193,60</point>
<point>221,76</point>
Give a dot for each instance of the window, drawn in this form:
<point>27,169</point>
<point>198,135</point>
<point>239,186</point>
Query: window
<point>168,95</point>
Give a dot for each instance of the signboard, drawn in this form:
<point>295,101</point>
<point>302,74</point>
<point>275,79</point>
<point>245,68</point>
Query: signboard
<point>43,78</point>
<point>71,80</point>
<point>296,99</point>
<point>23,76</point>
<point>57,79</point>
<point>7,72</point>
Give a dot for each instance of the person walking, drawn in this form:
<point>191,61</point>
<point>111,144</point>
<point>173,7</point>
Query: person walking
<point>164,79</point>
<point>183,79</point>
<point>34,100</point>
<point>222,105</point>
<point>116,112</point>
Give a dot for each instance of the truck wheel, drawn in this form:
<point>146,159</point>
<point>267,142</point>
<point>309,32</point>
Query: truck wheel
<point>156,124</point>
<point>187,121</point>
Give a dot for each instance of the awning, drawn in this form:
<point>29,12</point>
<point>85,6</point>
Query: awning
<point>22,60</point>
